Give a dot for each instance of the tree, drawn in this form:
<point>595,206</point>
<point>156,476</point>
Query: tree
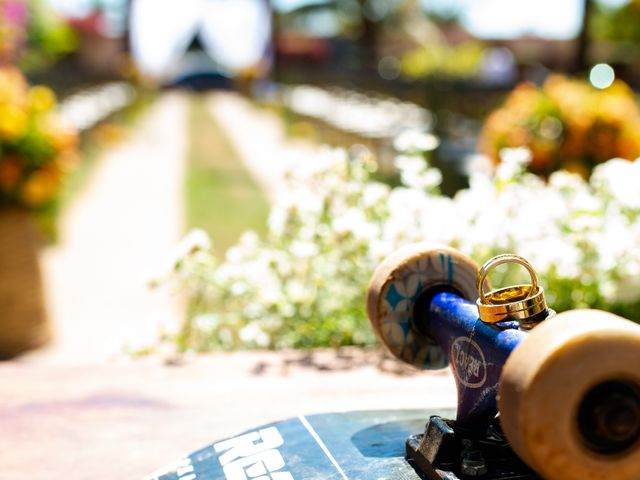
<point>581,62</point>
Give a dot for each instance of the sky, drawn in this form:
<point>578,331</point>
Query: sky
<point>114,9</point>
<point>555,19</point>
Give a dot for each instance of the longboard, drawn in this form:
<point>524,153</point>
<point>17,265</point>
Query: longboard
<point>569,393</point>
<point>333,446</point>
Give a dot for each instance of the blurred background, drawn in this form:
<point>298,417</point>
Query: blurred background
<point>183,179</point>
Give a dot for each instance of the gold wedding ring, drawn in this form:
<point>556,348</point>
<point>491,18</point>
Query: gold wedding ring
<point>517,302</point>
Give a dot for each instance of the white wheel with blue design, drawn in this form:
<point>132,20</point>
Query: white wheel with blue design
<point>397,285</point>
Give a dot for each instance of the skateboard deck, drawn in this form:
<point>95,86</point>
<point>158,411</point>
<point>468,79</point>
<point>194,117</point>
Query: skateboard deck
<point>569,409</point>
<point>333,446</point>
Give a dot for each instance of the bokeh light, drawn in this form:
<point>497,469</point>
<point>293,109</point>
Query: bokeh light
<point>602,76</point>
<point>389,67</point>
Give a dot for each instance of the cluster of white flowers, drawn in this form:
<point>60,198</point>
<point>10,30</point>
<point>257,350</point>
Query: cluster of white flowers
<point>304,285</point>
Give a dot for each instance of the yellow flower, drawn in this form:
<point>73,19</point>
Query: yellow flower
<point>29,123</point>
<point>41,99</point>
<point>60,135</point>
<point>590,125</point>
<point>13,122</point>
<point>40,188</point>
<point>13,86</point>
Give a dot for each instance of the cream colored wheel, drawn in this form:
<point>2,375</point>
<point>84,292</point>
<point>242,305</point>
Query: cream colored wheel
<point>569,397</point>
<point>398,284</point>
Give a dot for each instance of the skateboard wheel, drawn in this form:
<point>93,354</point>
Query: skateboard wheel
<point>569,397</point>
<point>397,285</point>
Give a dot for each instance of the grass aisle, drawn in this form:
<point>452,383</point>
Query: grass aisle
<point>222,197</point>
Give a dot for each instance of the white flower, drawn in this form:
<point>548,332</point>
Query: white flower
<point>249,240</point>
<point>253,334</point>
<point>269,292</point>
<point>354,221</point>
<point>238,288</point>
<point>557,253</point>
<point>374,193</point>
<point>206,321</point>
<point>234,254</point>
<point>193,241</point>
<point>332,225</point>
<point>619,178</point>
<point>566,182</point>
<point>277,220</point>
<point>513,162</point>
<point>415,173</point>
<point>413,140</point>
<point>303,249</point>
<point>296,290</point>
<point>515,156</point>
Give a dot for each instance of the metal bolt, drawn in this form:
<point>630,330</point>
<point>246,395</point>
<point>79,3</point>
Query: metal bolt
<point>474,468</point>
<point>473,463</point>
<point>618,419</point>
<point>609,417</point>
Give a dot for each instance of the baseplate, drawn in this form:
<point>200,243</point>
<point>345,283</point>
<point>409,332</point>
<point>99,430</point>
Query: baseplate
<point>446,451</point>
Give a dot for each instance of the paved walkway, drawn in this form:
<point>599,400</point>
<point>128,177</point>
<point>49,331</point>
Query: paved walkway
<point>114,237</point>
<point>260,138</point>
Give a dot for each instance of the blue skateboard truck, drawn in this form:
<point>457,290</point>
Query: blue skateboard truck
<point>540,395</point>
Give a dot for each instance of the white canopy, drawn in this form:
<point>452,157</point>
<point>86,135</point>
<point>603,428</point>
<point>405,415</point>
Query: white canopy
<point>234,33</point>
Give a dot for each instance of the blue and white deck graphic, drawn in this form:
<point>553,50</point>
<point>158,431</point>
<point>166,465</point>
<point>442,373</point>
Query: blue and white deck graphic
<point>335,446</point>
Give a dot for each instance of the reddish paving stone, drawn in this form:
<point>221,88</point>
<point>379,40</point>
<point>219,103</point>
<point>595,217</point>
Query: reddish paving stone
<point>128,418</point>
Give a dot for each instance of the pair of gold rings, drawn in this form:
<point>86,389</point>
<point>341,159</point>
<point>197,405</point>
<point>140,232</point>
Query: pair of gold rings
<point>517,302</point>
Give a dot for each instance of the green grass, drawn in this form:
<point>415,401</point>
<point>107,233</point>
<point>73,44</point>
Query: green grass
<point>221,196</point>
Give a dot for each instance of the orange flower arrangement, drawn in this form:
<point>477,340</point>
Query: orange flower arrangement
<point>566,124</point>
<point>36,148</point>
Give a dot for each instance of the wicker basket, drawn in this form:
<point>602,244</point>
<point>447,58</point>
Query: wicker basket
<point>23,323</point>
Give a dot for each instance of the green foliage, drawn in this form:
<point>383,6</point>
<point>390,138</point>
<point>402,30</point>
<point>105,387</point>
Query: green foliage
<point>618,24</point>
<point>437,59</point>
<point>48,38</point>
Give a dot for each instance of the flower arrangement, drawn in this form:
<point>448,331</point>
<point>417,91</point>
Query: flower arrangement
<point>14,17</point>
<point>566,124</point>
<point>304,284</point>
<point>36,148</point>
